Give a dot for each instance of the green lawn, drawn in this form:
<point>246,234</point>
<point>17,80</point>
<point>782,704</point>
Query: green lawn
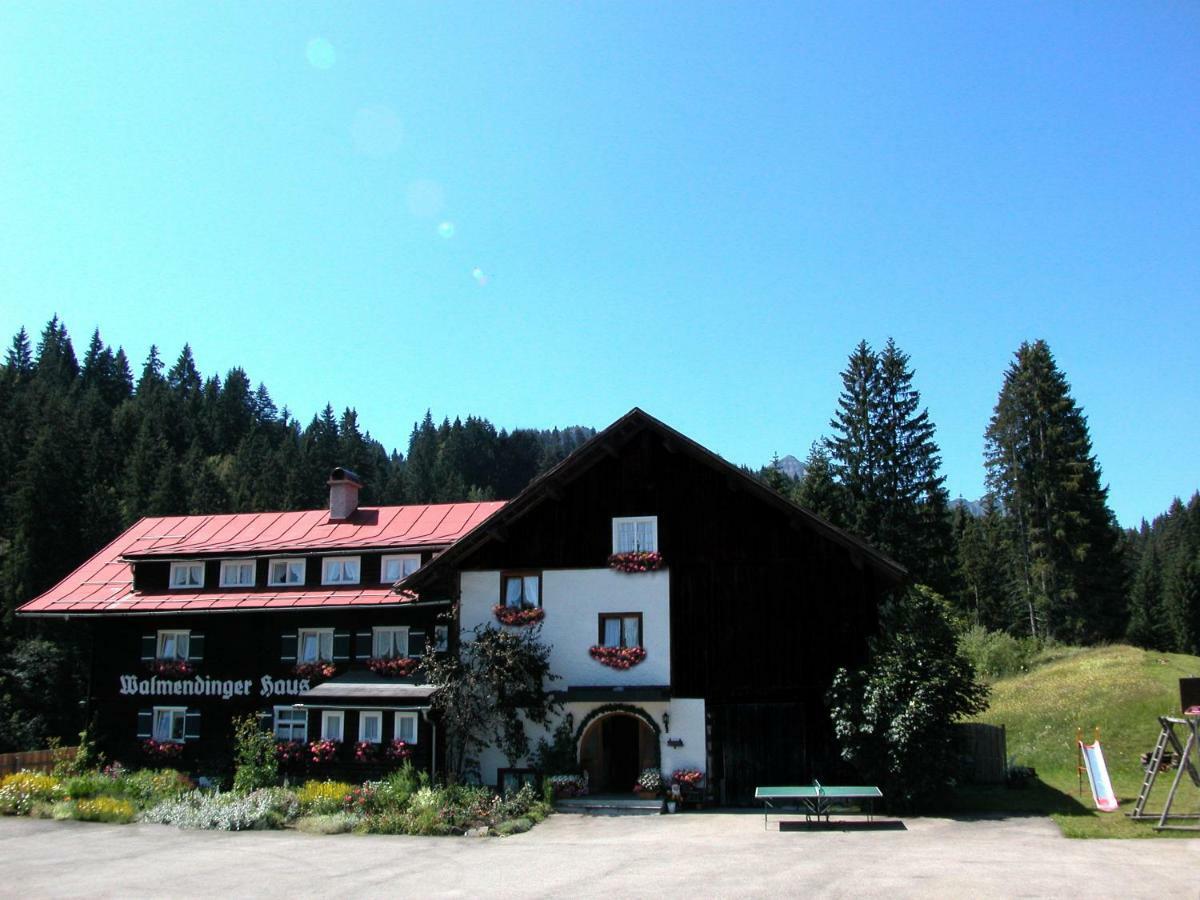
<point>1120,689</point>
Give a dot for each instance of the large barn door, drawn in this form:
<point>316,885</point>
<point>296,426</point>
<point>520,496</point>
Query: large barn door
<point>761,744</point>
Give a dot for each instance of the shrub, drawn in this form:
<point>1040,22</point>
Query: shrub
<point>997,654</point>
<point>19,792</point>
<point>513,826</point>
<point>323,797</point>
<point>893,720</point>
<point>333,823</point>
<point>262,809</point>
<point>518,803</point>
<point>395,791</point>
<point>89,784</point>
<point>149,787</point>
<point>254,753</point>
<point>103,809</point>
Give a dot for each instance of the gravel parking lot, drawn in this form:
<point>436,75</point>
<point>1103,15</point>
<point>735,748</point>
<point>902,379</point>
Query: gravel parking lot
<point>707,854</point>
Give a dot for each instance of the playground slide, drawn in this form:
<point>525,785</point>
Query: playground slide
<point>1097,773</point>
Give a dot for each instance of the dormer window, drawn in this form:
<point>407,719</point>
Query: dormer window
<point>186,575</point>
<point>339,570</point>
<point>393,568</point>
<point>285,572</point>
<point>237,573</point>
<point>635,534</point>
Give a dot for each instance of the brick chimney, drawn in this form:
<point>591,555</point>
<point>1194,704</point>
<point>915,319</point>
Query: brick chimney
<point>344,486</point>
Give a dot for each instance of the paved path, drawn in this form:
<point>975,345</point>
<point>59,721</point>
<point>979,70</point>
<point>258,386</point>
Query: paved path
<point>698,855</point>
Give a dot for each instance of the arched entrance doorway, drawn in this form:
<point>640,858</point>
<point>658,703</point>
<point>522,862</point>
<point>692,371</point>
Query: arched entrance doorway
<point>613,750</point>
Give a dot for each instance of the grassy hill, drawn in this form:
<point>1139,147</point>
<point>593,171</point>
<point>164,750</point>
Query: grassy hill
<point>1120,689</point>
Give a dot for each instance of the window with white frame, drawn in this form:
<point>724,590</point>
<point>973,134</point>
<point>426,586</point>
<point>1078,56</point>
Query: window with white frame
<point>187,575</point>
<point>370,726</point>
<point>635,533</point>
<point>172,645</point>
<point>521,590</point>
<point>339,570</point>
<point>441,638</point>
<point>390,642</point>
<point>332,721</point>
<point>393,568</point>
<point>237,573</point>
<point>291,724</point>
<point>285,571</point>
<point>406,727</point>
<point>314,645</point>
<point>170,723</point>
<point>620,629</point>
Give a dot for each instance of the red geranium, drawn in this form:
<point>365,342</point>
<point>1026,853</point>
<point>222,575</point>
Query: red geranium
<point>518,616</point>
<point>323,751</point>
<point>687,777</point>
<point>618,657</point>
<point>636,561</point>
<point>292,753</point>
<point>366,751</point>
<point>315,670</point>
<point>399,750</point>
<point>394,666</point>
<point>162,751</point>
<point>172,668</point>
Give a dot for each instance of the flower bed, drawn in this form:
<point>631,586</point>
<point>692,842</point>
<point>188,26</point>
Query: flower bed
<point>292,754</point>
<point>568,785</point>
<point>172,668</point>
<point>315,670</point>
<point>161,751</point>
<point>366,751</point>
<point>636,561</point>
<point>518,616</point>
<point>618,657</point>
<point>393,666</point>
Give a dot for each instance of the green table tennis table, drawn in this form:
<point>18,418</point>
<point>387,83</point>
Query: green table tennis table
<point>817,799</point>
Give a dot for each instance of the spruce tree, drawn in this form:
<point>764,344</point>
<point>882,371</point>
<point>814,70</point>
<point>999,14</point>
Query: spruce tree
<point>1040,466</point>
<point>818,491</point>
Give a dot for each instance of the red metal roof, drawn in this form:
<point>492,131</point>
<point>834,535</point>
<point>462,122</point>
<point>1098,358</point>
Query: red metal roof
<point>104,584</point>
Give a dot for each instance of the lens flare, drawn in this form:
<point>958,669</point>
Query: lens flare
<point>446,230</point>
<point>480,278</point>
<point>320,53</point>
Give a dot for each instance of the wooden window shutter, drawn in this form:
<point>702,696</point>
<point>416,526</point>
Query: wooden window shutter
<point>149,647</point>
<point>341,646</point>
<point>288,651</point>
<point>416,643</point>
<point>364,644</point>
<point>145,723</point>
<point>195,647</point>
<point>191,725</point>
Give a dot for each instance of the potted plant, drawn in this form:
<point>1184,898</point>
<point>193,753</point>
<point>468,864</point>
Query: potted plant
<point>649,784</point>
<point>636,561</point>
<point>518,616</point>
<point>617,657</point>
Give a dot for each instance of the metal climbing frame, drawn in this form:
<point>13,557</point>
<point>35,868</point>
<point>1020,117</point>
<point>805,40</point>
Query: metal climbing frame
<point>1183,753</point>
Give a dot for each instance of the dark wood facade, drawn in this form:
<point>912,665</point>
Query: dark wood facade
<point>239,650</point>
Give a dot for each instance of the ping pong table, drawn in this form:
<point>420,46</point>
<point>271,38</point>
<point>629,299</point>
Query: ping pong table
<point>817,799</point>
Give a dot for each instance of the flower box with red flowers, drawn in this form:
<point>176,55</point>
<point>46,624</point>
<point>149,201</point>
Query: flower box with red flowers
<point>315,669</point>
<point>518,616</point>
<point>292,754</point>
<point>399,750</point>
<point>323,751</point>
<point>393,666</point>
<point>618,657</point>
<point>688,778</point>
<point>162,751</point>
<point>636,561</point>
<point>366,751</point>
<point>172,668</point>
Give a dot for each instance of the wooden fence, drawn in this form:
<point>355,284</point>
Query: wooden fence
<point>984,752</point>
<point>34,760</point>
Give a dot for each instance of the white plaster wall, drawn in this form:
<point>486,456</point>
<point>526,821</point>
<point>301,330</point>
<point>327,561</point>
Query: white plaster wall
<point>572,599</point>
<point>687,724</point>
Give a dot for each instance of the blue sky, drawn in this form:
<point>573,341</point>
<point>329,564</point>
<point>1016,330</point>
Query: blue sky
<point>548,213</point>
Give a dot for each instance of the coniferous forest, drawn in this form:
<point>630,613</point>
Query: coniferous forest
<point>89,445</point>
